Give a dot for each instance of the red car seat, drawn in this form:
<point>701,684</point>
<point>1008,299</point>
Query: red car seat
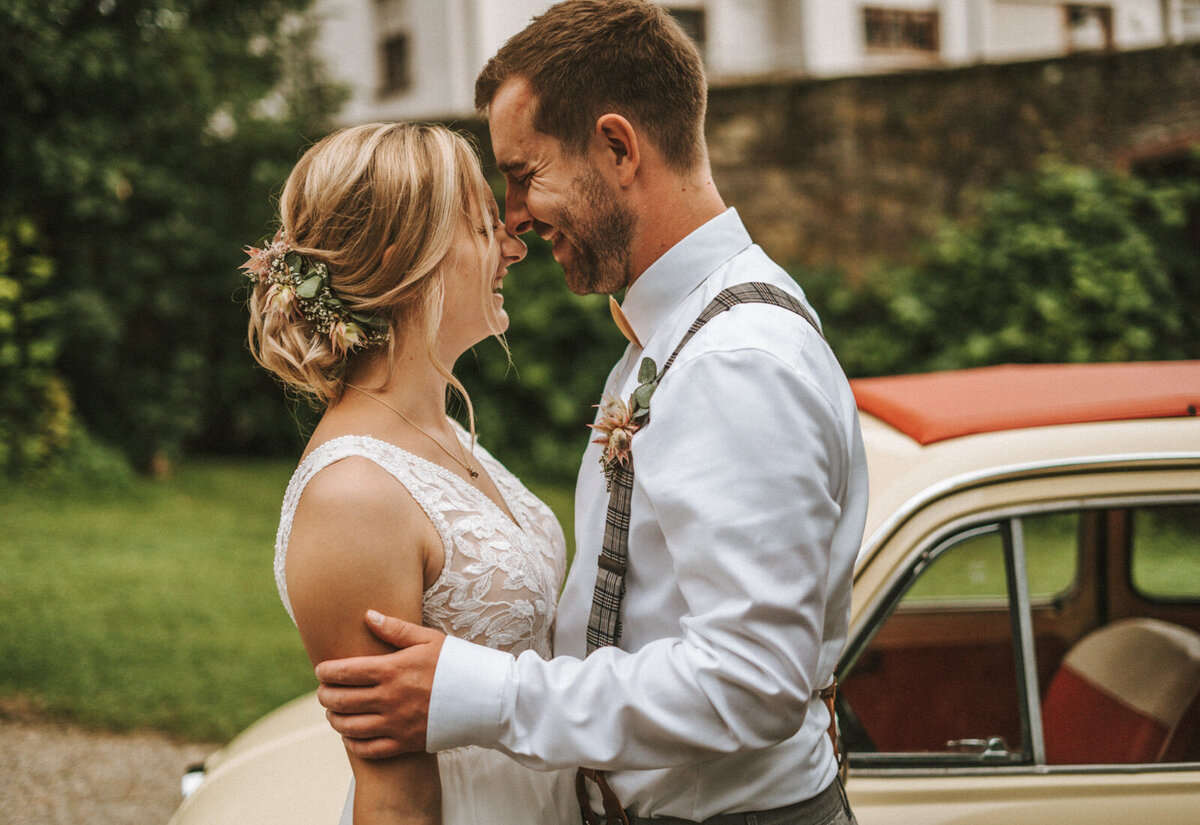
<point>1120,694</point>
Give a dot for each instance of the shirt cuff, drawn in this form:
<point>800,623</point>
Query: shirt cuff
<point>469,685</point>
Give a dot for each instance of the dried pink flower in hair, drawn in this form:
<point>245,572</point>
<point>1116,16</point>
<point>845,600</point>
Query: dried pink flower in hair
<point>280,297</point>
<point>345,336</point>
<point>260,260</point>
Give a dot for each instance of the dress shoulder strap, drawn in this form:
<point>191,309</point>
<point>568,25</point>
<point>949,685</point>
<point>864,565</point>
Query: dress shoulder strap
<point>397,462</point>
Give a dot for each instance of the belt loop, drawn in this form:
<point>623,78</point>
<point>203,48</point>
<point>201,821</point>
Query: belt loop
<point>751,819</point>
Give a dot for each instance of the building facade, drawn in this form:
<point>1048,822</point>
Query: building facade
<point>417,59</point>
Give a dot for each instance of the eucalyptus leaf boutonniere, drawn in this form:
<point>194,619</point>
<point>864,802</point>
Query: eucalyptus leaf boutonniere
<point>619,420</point>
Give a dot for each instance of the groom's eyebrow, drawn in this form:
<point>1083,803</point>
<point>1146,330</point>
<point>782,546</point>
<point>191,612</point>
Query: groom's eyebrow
<point>512,167</point>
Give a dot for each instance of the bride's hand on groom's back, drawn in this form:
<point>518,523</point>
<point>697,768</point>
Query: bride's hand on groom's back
<point>380,704</point>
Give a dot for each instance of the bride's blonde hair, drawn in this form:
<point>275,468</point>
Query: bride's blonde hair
<point>379,205</point>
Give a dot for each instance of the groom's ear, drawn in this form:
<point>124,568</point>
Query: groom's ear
<point>619,142</point>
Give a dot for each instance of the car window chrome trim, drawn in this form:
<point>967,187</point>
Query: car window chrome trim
<point>985,521</point>
<point>1026,471</point>
<point>928,556</point>
<point>1021,606</point>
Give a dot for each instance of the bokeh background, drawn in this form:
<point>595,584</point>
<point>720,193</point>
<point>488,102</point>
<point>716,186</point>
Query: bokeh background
<point>954,183</point>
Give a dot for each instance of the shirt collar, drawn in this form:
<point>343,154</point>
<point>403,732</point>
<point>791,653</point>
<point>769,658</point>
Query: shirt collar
<point>682,268</point>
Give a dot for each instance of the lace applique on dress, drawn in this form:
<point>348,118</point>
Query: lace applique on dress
<point>499,585</point>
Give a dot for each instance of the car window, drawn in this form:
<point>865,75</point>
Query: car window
<point>1164,556</point>
<point>969,571</point>
<point>937,683</point>
<point>1028,639</point>
<point>1125,692</point>
<point>974,573</point>
<point>1051,553</point>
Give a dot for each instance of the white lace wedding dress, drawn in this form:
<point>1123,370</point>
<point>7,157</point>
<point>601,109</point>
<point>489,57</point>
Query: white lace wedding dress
<point>499,587</point>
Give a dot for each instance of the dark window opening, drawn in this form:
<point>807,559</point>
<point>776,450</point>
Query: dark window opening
<point>899,30</point>
<point>396,64</point>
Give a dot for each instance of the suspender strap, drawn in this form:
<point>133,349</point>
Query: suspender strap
<point>750,293</point>
<point>604,622</point>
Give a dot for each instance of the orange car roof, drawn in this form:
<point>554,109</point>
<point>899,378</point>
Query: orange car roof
<point>935,406</point>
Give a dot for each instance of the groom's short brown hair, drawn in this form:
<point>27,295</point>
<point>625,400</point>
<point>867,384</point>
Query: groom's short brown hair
<point>584,58</point>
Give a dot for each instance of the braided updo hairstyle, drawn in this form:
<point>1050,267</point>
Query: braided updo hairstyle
<point>379,205</point>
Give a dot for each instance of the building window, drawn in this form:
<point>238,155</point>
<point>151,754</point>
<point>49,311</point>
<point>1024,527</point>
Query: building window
<point>692,23</point>
<point>396,64</point>
<point>1089,28</point>
<point>900,30</point>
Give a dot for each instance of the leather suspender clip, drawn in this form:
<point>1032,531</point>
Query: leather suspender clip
<point>610,564</point>
<point>614,814</point>
<point>829,697</point>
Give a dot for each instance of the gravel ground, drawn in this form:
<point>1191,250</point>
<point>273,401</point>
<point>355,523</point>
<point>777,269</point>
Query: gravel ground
<point>55,774</point>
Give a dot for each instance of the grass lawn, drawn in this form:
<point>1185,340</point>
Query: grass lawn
<point>157,608</point>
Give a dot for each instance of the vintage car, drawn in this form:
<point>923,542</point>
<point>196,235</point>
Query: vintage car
<point>1025,632</point>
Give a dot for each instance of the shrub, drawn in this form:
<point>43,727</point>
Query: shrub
<point>87,468</point>
<point>147,138</point>
<point>1068,264</point>
<point>35,407</point>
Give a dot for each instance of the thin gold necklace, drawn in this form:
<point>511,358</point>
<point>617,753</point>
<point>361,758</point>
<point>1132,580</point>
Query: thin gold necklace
<point>470,469</point>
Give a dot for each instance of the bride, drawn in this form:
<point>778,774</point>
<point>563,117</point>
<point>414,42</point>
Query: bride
<point>387,267</point>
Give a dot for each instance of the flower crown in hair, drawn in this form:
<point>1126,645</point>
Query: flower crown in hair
<point>299,285</point>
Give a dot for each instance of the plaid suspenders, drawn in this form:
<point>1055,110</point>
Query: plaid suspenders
<point>604,622</point>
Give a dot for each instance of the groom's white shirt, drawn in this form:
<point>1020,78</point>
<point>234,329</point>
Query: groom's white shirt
<point>747,514</point>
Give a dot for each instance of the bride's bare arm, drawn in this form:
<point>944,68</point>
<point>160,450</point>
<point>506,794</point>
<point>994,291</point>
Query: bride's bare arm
<point>360,541</point>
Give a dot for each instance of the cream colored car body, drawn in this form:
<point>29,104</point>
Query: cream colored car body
<point>290,767</point>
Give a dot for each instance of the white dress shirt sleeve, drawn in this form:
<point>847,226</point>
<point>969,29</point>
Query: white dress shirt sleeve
<point>743,475</point>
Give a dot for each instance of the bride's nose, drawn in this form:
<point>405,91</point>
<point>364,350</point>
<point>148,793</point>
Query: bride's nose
<point>512,248</point>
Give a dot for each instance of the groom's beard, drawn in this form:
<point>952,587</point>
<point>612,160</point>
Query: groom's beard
<point>600,231</point>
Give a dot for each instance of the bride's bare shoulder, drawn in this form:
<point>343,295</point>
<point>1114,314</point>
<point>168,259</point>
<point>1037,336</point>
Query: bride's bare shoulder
<point>359,540</point>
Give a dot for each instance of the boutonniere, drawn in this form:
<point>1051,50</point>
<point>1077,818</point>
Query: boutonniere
<point>619,420</point>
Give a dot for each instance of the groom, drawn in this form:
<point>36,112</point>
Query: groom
<point>747,504</point>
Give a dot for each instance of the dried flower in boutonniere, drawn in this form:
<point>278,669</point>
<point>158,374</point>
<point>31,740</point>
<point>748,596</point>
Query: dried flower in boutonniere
<point>620,420</point>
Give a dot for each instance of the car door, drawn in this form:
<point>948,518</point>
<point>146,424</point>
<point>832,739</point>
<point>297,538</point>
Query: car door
<point>975,610</point>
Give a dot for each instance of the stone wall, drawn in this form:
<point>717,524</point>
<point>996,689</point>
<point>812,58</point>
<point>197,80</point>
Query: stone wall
<point>843,171</point>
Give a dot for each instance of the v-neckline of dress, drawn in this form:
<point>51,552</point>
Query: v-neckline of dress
<point>507,512</point>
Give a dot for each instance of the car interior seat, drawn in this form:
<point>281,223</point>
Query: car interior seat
<point>1121,694</point>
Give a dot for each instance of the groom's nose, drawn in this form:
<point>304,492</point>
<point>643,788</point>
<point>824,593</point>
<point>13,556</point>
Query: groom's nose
<point>517,219</point>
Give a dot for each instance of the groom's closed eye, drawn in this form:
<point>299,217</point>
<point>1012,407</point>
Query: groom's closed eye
<point>518,173</point>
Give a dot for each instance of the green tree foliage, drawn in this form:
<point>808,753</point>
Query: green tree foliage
<point>35,409</point>
<point>144,138</point>
<point>1068,264</point>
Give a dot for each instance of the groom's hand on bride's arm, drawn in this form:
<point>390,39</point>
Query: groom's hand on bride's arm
<point>380,704</point>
